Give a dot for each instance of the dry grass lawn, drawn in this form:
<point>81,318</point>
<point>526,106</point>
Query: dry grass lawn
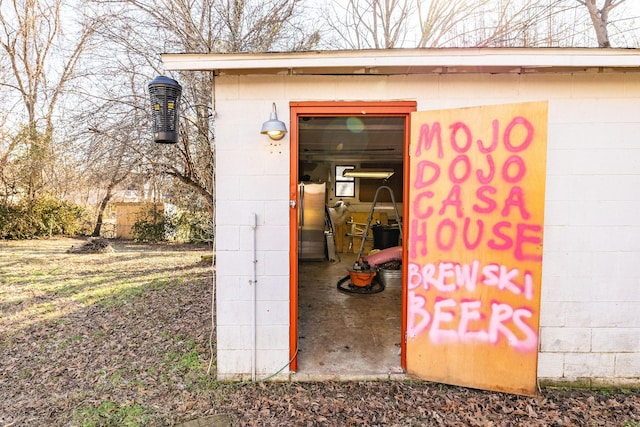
<point>122,339</point>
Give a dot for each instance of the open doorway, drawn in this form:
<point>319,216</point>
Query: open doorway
<point>336,334</point>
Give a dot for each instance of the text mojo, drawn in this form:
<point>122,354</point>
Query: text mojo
<point>470,212</point>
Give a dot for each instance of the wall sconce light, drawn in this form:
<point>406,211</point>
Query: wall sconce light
<point>369,173</point>
<point>274,127</point>
<point>165,98</point>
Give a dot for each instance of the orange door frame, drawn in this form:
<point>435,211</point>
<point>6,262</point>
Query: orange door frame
<point>338,108</point>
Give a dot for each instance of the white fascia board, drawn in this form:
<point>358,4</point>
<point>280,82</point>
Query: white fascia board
<point>380,59</point>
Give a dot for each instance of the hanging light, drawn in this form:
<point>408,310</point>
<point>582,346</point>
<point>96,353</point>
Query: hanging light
<point>273,127</point>
<point>165,98</point>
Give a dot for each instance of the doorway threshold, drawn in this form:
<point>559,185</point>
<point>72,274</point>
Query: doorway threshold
<point>311,377</point>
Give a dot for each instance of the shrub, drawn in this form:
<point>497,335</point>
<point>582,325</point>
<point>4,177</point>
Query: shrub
<point>155,225</point>
<point>150,226</point>
<point>193,227</point>
<point>44,217</point>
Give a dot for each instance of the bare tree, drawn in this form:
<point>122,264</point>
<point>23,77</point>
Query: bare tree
<point>204,27</point>
<point>370,24</point>
<point>360,24</point>
<point>39,61</point>
<point>441,21</point>
<point>600,18</point>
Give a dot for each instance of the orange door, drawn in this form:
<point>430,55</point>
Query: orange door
<point>316,109</point>
<point>475,225</point>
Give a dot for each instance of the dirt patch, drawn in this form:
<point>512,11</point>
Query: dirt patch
<point>122,338</point>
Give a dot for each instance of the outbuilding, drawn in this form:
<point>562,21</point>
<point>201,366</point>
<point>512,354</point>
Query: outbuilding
<point>503,183</point>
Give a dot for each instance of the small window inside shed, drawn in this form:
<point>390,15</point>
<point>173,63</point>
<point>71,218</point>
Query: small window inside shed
<point>345,185</point>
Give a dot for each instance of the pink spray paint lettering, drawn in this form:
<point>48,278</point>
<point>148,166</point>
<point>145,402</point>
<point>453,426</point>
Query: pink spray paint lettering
<point>450,320</point>
<point>469,194</point>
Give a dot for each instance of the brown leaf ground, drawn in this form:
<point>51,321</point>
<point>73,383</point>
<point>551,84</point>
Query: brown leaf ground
<point>122,339</point>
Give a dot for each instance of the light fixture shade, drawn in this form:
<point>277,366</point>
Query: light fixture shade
<point>273,127</point>
<point>369,173</point>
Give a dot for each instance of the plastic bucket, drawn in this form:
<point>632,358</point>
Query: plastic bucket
<point>385,236</point>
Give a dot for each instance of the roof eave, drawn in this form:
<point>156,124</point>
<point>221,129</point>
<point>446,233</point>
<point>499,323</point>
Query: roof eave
<point>409,61</point>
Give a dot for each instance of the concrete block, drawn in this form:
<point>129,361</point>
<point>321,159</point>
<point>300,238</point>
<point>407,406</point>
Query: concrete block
<point>278,261</point>
<point>269,362</point>
<point>227,237</point>
<point>572,340</point>
<point>227,88</point>
<point>234,312</point>
<point>580,137</point>
<point>406,87</point>
<point>544,86</point>
<point>267,88</point>
<point>624,238</point>
<point>265,187</point>
<point>618,288</point>
<point>589,314</point>
<point>231,288</point>
<point>605,187</point>
<point>606,161</point>
<point>628,365</point>
<point>258,237</point>
<point>558,184</point>
<point>233,362</point>
<point>556,213</point>
<point>273,288</point>
<point>362,87</point>
<point>272,312</point>
<point>237,212</point>
<point>554,238</point>
<point>303,87</point>
<point>276,212</point>
<point>227,188</point>
<point>607,265</point>
<point>230,263</point>
<point>552,288</point>
<point>240,163</point>
<point>233,337</point>
<point>601,314</point>
<point>599,85</point>
<point>604,212</point>
<point>277,160</point>
<point>550,365</point>
<point>558,161</point>
<point>272,337</point>
<point>560,136</point>
<point>571,110</point>
<point>589,365</point>
<point>554,264</point>
<point>617,110</point>
<point>579,265</point>
<point>569,238</point>
<point>271,237</point>
<point>241,117</point>
<point>480,85</point>
<point>552,314</point>
<point>573,289</point>
<point>616,340</point>
<point>622,135</point>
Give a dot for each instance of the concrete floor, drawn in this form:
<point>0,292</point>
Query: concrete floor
<point>345,336</point>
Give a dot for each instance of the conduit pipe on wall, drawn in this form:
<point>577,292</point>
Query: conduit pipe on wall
<point>254,282</point>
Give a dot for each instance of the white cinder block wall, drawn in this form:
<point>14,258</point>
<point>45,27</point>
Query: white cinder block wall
<point>590,310</point>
